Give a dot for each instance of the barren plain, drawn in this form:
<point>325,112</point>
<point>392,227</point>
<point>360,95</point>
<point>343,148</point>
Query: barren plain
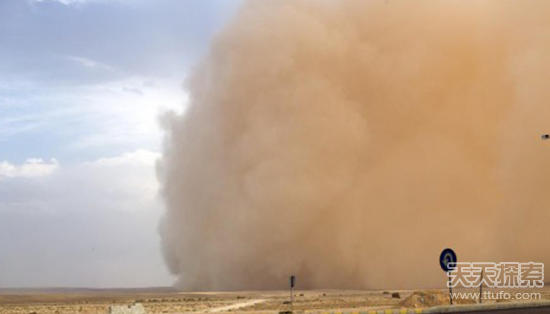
<point>166,300</point>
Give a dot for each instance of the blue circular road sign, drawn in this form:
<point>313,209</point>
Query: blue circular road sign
<point>447,260</point>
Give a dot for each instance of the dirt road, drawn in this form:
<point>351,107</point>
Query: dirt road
<point>235,306</point>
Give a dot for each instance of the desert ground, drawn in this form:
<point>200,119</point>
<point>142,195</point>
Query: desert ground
<point>169,301</point>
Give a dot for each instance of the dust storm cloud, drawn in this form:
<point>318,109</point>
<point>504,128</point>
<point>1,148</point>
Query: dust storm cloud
<point>349,142</point>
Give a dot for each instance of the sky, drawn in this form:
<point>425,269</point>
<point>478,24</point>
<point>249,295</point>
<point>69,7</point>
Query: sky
<point>82,86</point>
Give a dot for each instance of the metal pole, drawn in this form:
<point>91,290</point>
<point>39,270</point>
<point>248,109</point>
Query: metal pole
<point>291,300</point>
<point>481,289</point>
<point>450,289</point>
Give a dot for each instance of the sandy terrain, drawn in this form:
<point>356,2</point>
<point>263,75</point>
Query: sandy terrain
<point>168,301</point>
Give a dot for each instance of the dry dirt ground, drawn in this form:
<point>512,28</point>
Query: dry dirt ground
<point>167,301</point>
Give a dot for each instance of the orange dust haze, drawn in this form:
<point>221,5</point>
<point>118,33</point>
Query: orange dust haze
<point>348,142</point>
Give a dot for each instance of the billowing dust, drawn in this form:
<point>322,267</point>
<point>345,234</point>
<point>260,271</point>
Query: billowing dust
<point>348,142</point>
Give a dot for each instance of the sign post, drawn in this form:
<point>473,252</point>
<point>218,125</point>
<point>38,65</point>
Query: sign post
<point>292,282</point>
<point>450,290</point>
<point>481,288</point>
<point>447,261</point>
